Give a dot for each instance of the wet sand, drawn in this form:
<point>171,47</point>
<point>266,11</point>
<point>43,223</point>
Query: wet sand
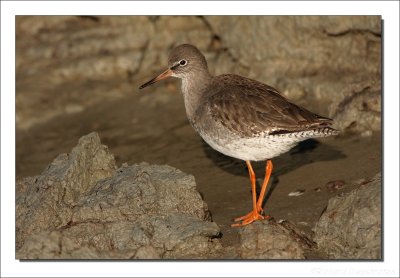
<point>151,126</point>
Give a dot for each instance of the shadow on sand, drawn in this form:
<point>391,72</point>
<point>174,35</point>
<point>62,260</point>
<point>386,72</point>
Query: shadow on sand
<point>305,152</point>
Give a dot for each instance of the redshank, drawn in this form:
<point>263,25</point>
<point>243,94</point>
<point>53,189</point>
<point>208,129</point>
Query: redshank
<point>241,117</point>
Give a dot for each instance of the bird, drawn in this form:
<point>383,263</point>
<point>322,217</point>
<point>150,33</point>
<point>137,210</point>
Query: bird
<point>241,117</point>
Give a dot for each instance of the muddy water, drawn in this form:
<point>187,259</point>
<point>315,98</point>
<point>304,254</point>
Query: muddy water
<point>152,126</point>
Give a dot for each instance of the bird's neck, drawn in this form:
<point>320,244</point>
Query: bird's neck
<point>193,89</point>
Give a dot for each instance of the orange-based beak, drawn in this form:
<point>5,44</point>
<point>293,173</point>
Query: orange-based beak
<point>163,75</point>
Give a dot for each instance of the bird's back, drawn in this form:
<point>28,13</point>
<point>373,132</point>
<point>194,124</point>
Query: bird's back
<point>250,108</point>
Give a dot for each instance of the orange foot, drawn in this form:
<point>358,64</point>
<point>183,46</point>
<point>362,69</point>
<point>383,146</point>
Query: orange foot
<point>249,218</point>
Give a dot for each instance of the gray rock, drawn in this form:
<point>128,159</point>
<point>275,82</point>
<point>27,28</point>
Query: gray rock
<point>55,245</point>
<point>46,202</point>
<point>146,252</point>
<point>271,240</point>
<point>357,108</point>
<point>82,207</point>
<point>322,52</point>
<point>350,228</point>
<point>100,56</point>
<point>312,60</point>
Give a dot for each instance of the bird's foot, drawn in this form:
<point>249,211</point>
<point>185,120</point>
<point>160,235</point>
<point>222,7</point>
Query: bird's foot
<point>259,211</point>
<point>250,218</point>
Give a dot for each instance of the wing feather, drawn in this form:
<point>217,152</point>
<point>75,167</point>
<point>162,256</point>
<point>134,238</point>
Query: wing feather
<point>249,107</point>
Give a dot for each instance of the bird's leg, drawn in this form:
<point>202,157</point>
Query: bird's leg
<point>254,214</point>
<point>268,171</point>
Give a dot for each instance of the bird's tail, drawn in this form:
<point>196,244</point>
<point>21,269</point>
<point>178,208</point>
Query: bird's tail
<point>323,132</point>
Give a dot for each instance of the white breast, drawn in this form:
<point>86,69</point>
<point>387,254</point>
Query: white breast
<point>253,149</point>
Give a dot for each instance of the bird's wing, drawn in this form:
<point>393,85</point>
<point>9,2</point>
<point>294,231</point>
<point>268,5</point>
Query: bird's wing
<point>256,108</point>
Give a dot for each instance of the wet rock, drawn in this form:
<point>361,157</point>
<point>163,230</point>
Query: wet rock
<point>350,228</point>
<point>272,240</point>
<point>82,207</point>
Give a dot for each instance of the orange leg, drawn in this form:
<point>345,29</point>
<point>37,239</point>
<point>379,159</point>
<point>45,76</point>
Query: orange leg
<point>254,214</point>
<point>268,171</point>
<point>249,218</point>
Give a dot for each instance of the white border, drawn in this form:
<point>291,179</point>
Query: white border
<point>12,268</point>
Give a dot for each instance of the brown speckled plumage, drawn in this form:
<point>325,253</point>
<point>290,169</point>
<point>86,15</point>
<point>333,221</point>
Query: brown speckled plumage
<point>251,108</point>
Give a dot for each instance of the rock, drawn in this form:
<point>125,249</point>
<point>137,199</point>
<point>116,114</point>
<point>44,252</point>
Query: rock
<point>84,55</point>
<point>335,185</point>
<point>146,252</point>
<point>271,240</point>
<point>100,56</point>
<point>82,207</point>
<point>357,109</point>
<point>293,32</point>
<point>66,65</point>
<point>55,245</point>
<point>350,228</point>
<point>313,50</point>
<point>310,59</point>
<point>46,202</point>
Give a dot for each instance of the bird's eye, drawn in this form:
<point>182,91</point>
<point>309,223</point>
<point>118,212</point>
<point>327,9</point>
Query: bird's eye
<point>182,62</point>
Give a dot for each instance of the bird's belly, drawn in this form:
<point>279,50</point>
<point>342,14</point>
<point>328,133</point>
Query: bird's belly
<point>253,149</point>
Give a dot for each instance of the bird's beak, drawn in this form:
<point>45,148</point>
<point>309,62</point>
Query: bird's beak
<point>163,75</point>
